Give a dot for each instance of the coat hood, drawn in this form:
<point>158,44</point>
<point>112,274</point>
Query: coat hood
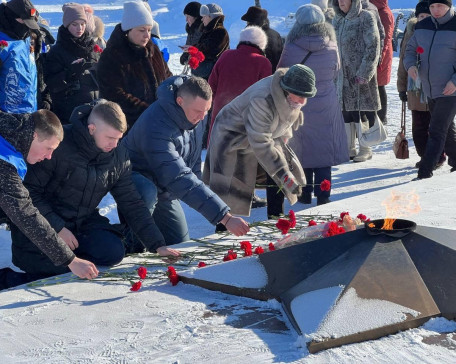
<point>354,11</point>
<point>18,129</point>
<point>325,30</point>
<point>166,97</point>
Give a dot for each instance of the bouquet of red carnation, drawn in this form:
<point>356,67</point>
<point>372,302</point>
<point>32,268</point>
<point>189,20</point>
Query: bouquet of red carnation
<point>194,59</point>
<point>3,44</point>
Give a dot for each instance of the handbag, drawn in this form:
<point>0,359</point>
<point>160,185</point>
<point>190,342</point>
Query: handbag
<point>368,137</point>
<point>400,145</point>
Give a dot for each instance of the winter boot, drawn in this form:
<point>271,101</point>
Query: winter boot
<point>364,154</point>
<point>350,129</point>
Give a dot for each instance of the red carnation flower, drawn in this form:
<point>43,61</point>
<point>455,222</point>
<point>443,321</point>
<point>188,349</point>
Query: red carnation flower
<point>419,50</point>
<point>231,255</point>
<point>142,272</point>
<point>193,63</point>
<point>248,252</point>
<point>97,49</point>
<point>136,286</point>
<point>201,264</point>
<point>334,229</point>
<point>283,225</point>
<point>362,217</point>
<point>312,223</point>
<point>292,218</point>
<point>271,247</point>
<point>325,185</point>
<point>200,56</point>
<point>174,279</point>
<point>245,245</point>
<point>171,271</point>
<point>342,214</point>
<point>259,250</point>
<point>3,44</point>
<point>192,50</point>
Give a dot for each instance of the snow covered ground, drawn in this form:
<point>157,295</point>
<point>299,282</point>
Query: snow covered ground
<point>66,320</point>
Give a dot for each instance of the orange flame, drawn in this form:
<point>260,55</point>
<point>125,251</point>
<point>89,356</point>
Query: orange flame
<point>400,205</point>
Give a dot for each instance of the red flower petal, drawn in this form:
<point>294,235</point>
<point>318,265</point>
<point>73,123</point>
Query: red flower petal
<point>201,264</point>
<point>174,279</point>
<point>192,50</point>
<point>325,185</point>
<point>419,50</point>
<point>171,271</point>
<point>142,272</point>
<point>245,245</point>
<point>271,247</point>
<point>200,56</point>
<point>248,252</point>
<point>283,225</point>
<point>193,63</point>
<point>292,218</point>
<point>259,250</point>
<point>136,286</point>
<point>362,217</point>
<point>312,223</point>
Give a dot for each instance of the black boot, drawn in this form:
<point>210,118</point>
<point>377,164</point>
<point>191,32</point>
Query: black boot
<point>305,198</point>
<point>322,200</point>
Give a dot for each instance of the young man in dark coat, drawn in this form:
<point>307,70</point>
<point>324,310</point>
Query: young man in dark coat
<point>435,37</point>
<point>31,138</point>
<point>67,190</point>
<point>165,150</point>
<point>259,17</point>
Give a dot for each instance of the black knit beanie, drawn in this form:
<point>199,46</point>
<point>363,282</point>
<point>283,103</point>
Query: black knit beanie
<point>444,2</point>
<point>193,9</point>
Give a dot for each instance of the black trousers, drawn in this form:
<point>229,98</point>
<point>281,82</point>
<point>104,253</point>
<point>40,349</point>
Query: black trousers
<point>274,197</point>
<point>313,183</point>
<point>442,135</point>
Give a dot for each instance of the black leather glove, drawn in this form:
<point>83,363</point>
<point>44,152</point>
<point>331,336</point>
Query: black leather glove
<point>403,96</point>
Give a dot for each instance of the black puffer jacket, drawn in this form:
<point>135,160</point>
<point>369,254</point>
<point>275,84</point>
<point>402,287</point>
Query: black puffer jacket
<point>68,188</point>
<point>129,75</point>
<point>71,85</point>
<point>15,202</point>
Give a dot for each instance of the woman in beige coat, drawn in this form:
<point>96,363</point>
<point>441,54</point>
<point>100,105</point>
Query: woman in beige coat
<point>249,138</point>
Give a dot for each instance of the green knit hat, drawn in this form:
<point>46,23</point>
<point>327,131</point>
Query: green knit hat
<point>299,80</point>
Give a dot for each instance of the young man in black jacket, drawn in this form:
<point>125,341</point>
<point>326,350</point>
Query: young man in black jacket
<point>67,190</point>
<point>31,138</point>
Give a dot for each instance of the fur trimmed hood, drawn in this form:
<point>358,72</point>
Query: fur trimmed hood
<point>323,29</point>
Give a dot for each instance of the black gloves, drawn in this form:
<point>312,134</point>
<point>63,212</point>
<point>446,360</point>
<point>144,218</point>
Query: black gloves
<point>403,96</point>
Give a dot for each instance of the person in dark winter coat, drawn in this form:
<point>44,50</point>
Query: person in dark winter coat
<point>192,27</point>
<point>386,59</point>
<point>67,190</point>
<point>247,62</point>
<point>408,92</point>
<point>70,64</point>
<point>18,93</point>
<point>436,37</point>
<point>259,17</point>
<point>43,96</point>
<point>165,151</point>
<point>214,39</point>
<point>248,142</point>
<point>31,138</point>
<point>321,142</point>
<point>132,67</point>
<point>359,46</point>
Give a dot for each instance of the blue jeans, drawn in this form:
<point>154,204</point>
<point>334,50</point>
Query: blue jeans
<point>168,214</point>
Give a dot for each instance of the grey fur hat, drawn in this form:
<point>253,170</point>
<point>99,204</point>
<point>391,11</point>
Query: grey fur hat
<point>254,35</point>
<point>309,14</point>
<point>211,10</point>
<point>299,80</point>
<point>135,14</point>
<point>322,4</point>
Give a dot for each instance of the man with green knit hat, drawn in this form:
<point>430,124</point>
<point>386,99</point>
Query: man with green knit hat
<point>248,142</point>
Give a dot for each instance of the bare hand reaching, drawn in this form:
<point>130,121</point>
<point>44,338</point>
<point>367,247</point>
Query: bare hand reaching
<point>235,225</point>
<point>83,268</point>
<point>69,238</point>
<point>164,251</point>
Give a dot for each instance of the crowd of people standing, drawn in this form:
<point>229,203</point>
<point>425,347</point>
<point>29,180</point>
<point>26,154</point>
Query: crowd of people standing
<point>85,116</point>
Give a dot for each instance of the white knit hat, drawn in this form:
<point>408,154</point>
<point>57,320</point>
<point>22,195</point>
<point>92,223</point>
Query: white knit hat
<point>135,14</point>
<point>323,4</point>
<point>254,35</point>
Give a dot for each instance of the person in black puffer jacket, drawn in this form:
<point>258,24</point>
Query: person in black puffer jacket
<point>259,17</point>
<point>192,26</point>
<point>69,70</point>
<point>132,66</point>
<point>68,189</point>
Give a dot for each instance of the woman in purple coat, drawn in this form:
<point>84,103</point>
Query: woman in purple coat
<point>321,142</point>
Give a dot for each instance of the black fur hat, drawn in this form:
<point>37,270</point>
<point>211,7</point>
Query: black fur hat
<point>193,9</point>
<point>422,7</point>
<point>255,15</point>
